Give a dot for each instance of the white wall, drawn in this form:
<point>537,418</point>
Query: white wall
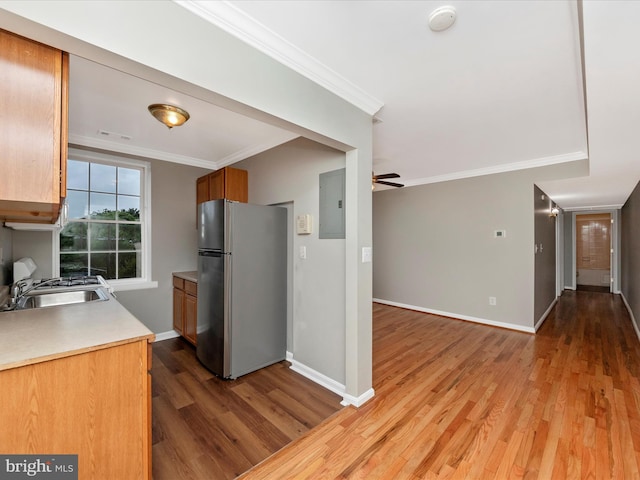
<point>435,250</point>
<point>290,173</point>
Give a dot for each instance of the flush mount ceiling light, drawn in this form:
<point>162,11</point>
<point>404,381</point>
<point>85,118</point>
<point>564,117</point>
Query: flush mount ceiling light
<point>442,18</point>
<point>170,115</point>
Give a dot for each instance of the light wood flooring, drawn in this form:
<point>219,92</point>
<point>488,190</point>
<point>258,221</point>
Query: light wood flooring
<point>466,401</point>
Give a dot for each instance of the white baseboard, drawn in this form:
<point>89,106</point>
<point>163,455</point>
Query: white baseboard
<point>545,314</point>
<point>358,401</point>
<point>483,321</point>
<point>166,335</point>
<point>633,318</point>
<point>329,383</point>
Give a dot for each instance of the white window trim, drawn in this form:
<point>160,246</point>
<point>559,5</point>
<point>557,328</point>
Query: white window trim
<point>126,283</point>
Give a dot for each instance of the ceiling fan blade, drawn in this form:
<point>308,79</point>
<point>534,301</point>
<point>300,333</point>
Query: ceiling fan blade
<point>391,184</point>
<point>386,175</point>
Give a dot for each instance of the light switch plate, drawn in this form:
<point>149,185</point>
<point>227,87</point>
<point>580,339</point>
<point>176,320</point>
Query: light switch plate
<point>367,254</point>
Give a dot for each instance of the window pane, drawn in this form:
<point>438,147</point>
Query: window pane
<point>128,265</point>
<point>103,178</point>
<point>103,206</point>
<point>103,236</point>
<point>128,208</point>
<point>73,264</point>
<point>130,237</point>
<point>103,264</point>
<point>78,204</point>
<point>95,242</point>
<point>77,175</point>
<point>73,237</point>
<point>128,181</point>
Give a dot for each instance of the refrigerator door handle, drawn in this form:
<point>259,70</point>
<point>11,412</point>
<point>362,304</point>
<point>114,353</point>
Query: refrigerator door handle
<point>210,253</point>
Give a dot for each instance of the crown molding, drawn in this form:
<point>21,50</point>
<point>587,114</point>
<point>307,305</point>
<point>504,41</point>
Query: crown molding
<point>149,153</point>
<point>595,208</point>
<point>252,150</point>
<point>101,144</point>
<point>507,167</point>
<point>236,22</point>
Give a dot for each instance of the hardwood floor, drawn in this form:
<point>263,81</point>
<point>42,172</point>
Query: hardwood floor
<point>460,400</point>
<point>207,428</point>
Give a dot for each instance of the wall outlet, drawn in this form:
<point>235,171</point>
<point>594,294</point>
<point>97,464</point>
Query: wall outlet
<point>303,252</point>
<point>492,300</point>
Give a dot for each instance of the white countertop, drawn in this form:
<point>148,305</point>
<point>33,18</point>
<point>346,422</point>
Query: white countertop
<point>191,276</point>
<point>41,334</point>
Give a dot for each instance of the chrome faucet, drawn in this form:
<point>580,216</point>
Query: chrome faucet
<point>18,292</point>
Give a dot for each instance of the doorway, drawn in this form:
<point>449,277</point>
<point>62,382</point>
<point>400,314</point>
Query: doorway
<point>593,251</point>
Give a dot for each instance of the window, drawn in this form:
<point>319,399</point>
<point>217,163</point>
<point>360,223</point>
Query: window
<point>106,233</point>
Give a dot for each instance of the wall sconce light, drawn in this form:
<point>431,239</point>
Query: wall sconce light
<point>168,114</point>
<point>554,211</point>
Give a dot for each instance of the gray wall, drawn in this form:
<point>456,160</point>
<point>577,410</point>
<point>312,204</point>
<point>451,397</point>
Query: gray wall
<point>174,242</point>
<point>281,97</point>
<point>630,253</point>
<point>290,173</point>
<point>570,244</point>
<point>569,277</point>
<point>545,258</point>
<point>434,245</point>
<point>6,267</point>
<point>37,245</point>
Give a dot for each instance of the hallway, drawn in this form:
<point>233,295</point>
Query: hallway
<point>461,400</point>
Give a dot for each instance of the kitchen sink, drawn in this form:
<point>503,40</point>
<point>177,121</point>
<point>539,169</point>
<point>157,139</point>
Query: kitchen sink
<point>54,299</point>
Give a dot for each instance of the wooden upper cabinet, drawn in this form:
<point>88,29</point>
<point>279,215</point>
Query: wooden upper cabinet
<point>33,135</point>
<point>217,185</point>
<point>229,183</point>
<point>202,189</point>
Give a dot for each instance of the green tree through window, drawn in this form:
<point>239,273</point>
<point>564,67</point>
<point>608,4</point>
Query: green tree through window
<point>104,233</point>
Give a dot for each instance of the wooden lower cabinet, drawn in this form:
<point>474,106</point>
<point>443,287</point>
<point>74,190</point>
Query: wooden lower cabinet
<point>185,308</point>
<point>94,404</point>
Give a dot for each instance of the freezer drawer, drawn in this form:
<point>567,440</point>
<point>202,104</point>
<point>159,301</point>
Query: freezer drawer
<point>213,327</point>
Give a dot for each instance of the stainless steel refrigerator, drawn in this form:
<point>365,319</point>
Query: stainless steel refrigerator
<point>242,311</point>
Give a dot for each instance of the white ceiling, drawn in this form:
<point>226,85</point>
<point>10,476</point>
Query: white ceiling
<point>501,89</point>
<point>102,99</point>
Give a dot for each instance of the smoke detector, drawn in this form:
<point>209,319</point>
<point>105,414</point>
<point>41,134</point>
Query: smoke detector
<point>442,18</point>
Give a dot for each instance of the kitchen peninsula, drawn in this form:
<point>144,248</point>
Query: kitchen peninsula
<point>75,380</point>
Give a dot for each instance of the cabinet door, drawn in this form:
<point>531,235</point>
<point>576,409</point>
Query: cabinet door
<point>202,189</point>
<point>216,184</point>
<point>190,318</point>
<point>178,310</point>
<point>236,185</point>
<point>33,79</point>
<point>93,404</point>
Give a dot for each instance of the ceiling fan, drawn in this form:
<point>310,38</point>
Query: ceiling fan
<point>382,177</point>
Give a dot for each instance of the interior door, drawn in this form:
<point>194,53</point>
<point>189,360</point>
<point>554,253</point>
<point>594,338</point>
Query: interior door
<point>593,250</point>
